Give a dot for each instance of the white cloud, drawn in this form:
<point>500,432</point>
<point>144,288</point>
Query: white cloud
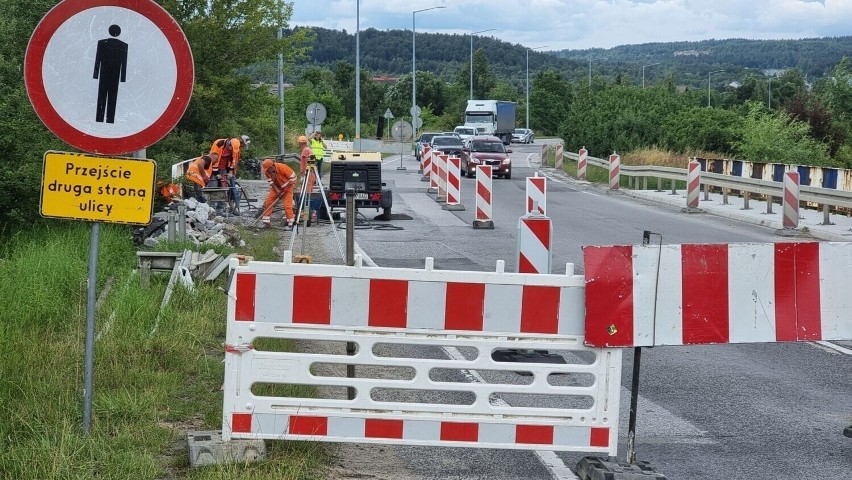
<point>592,23</point>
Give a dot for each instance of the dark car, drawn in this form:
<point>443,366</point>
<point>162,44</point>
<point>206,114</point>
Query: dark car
<point>448,144</point>
<point>425,139</point>
<point>486,150</point>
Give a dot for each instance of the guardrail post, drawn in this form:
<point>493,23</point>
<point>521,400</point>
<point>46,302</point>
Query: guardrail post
<point>769,199</point>
<point>674,187</point>
<point>746,197</point>
<point>725,196</point>
<point>659,184</point>
<point>826,211</point>
<point>644,183</point>
<point>706,192</point>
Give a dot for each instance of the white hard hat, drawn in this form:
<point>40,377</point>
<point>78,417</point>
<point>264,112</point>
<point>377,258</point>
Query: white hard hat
<point>245,139</point>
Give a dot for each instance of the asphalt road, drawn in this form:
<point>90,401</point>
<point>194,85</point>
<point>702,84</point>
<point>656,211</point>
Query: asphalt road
<point>766,411</point>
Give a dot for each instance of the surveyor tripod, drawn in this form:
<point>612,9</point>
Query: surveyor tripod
<point>305,195</point>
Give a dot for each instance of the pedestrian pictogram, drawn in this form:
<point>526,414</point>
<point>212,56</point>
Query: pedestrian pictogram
<point>109,76</point>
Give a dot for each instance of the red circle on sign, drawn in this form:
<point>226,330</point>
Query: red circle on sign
<point>33,78</point>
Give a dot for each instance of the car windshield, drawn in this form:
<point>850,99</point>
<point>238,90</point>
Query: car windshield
<point>520,131</point>
<point>439,141</point>
<point>465,131</point>
<point>487,147</point>
<point>473,118</point>
<point>426,137</point>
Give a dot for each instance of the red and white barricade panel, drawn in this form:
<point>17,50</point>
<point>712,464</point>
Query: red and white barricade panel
<point>693,184</point>
<point>441,328</point>
<point>434,173</point>
<point>535,236</point>
<point>453,181</point>
<point>483,193</point>
<point>725,293</point>
<point>791,200</point>
<point>537,192</point>
<point>582,163</point>
<point>558,157</point>
<point>426,160</point>
<point>614,171</point>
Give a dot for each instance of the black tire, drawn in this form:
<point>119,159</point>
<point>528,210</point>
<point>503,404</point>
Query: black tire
<point>468,173</point>
<point>386,212</point>
<point>507,176</point>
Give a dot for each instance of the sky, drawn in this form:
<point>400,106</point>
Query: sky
<point>582,24</point>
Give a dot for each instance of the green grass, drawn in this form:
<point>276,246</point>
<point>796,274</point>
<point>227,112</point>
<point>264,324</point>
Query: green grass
<point>149,389</point>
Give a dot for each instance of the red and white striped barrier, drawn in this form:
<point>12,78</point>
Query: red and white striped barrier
<point>791,200</point>
<point>434,176</point>
<point>558,155</point>
<point>614,171</point>
<point>535,235</point>
<point>537,194</point>
<point>693,184</point>
<point>391,310</point>
<point>453,184</point>
<point>426,162</point>
<point>726,293</point>
<point>582,164</point>
<point>483,198</point>
<point>442,159</point>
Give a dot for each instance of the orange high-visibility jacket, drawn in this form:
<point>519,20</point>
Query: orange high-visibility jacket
<point>284,177</point>
<point>229,153</point>
<point>196,172</point>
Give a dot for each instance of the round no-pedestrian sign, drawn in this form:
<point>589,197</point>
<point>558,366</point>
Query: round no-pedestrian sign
<point>109,76</point>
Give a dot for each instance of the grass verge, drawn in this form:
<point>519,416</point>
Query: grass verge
<point>149,388</point>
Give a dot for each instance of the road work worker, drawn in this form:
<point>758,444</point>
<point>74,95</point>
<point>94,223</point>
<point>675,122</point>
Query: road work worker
<point>197,174</point>
<point>318,147</point>
<point>226,154</point>
<point>305,158</point>
<point>282,180</point>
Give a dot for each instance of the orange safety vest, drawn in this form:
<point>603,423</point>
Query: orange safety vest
<point>284,177</point>
<point>196,173</point>
<point>228,150</point>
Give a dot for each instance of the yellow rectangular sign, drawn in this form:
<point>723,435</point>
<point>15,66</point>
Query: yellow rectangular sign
<point>88,187</point>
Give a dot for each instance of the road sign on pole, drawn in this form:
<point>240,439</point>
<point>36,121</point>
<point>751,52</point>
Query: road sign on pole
<point>109,76</point>
<point>388,114</point>
<point>315,113</point>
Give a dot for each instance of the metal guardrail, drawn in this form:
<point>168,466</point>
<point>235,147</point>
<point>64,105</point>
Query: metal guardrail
<point>807,193</point>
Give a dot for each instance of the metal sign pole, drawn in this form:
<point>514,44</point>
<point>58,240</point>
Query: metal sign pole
<point>350,261</point>
<point>91,290</point>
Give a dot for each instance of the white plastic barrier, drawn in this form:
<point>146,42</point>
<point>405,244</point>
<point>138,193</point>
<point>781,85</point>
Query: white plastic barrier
<point>396,317</point>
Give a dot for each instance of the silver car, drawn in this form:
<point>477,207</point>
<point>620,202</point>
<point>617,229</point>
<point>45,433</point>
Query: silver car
<point>523,135</point>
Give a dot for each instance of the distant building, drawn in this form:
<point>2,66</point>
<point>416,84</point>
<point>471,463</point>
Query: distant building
<point>735,84</point>
<point>272,88</point>
<point>385,80</point>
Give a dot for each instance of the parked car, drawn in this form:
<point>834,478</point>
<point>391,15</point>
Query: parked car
<point>424,139</point>
<point>448,144</point>
<point>486,150</point>
<point>523,135</point>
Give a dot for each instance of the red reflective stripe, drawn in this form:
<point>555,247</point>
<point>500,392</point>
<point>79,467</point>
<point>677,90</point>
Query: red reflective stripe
<point>459,432</point>
<point>244,308</point>
<point>465,302</point>
<point>609,296</point>
<point>525,265</point>
<point>311,300</point>
<point>483,192</point>
<point>599,437</point>
<point>705,294</point>
<point>305,425</point>
<point>540,228</point>
<point>534,434</point>
<point>797,292</point>
<point>379,428</point>
<point>785,292</point>
<point>241,422</point>
<point>540,309</point>
<point>388,303</point>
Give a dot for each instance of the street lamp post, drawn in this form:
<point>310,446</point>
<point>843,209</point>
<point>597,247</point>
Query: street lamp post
<point>528,83</point>
<point>590,73</point>
<point>643,72</point>
<point>708,85</point>
<point>414,64</point>
<point>280,97</point>
<point>471,58</point>
<point>769,100</point>
<point>358,73</point>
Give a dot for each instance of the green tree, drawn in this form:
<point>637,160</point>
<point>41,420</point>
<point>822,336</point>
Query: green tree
<point>550,98</point>
<point>774,137</point>
<point>430,93</point>
<point>483,79</point>
<point>701,128</point>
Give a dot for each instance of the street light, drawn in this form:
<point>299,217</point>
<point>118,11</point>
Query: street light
<point>413,64</point>
<point>643,72</point>
<point>358,73</point>
<point>528,82</point>
<point>708,85</point>
<point>769,101</point>
<point>471,57</point>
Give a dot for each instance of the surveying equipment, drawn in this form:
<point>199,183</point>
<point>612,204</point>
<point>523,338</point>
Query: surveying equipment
<point>305,195</point>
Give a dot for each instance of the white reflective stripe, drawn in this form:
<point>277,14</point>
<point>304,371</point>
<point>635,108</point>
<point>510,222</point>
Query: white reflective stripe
<point>669,298</point>
<point>350,301</point>
<point>273,298</point>
<point>835,263</point>
<point>346,427</point>
<point>497,433</point>
<point>427,303</point>
<point>269,424</point>
<point>564,435</point>
<point>644,294</point>
<point>502,309</point>
<point>572,312</point>
<point>421,430</point>
<point>751,301</point>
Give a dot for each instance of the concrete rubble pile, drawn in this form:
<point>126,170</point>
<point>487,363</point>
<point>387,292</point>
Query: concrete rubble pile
<point>201,226</point>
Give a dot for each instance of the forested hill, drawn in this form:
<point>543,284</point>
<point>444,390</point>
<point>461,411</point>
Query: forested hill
<point>389,53</point>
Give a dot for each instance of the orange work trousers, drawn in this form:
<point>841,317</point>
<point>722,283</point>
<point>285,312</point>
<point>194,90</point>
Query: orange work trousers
<point>286,200</point>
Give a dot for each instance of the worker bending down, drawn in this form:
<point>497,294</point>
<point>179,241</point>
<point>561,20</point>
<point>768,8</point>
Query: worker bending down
<point>281,180</point>
<point>197,174</point>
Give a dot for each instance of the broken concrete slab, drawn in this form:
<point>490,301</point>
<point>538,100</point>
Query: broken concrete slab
<point>208,448</point>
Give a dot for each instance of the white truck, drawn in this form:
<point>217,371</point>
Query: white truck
<point>491,117</point>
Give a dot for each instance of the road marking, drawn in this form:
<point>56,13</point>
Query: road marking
<point>528,160</point>
<point>835,347</point>
<point>557,468</point>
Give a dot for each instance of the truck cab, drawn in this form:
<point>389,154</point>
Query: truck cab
<point>491,117</point>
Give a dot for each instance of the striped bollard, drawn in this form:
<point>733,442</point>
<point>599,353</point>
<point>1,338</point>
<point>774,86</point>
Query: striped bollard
<point>442,177</point>
<point>581,164</point>
<point>558,157</point>
<point>614,171</point>
<point>426,166</point>
<point>483,198</point>
<point>537,194</point>
<point>693,187</point>
<point>535,236</point>
<point>453,185</point>
<point>791,201</point>
<point>433,176</point>
<point>544,154</point>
